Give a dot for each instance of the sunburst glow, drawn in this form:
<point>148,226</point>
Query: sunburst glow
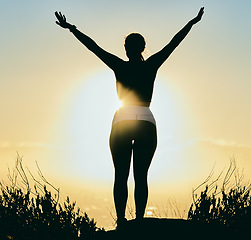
<point>89,123</point>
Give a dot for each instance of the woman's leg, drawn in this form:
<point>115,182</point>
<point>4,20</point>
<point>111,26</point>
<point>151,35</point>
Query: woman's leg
<point>144,147</point>
<point>121,149</point>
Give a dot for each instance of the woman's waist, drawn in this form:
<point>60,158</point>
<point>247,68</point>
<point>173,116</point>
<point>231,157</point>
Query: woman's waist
<point>134,109</point>
<point>135,103</point>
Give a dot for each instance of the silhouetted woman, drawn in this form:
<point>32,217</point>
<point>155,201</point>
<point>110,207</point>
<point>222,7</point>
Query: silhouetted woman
<point>133,126</point>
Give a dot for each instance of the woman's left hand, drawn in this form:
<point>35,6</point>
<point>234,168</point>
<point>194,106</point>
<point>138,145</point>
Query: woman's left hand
<point>62,20</point>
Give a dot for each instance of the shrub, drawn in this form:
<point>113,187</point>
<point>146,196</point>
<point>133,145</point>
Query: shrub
<point>38,214</point>
<point>230,206</point>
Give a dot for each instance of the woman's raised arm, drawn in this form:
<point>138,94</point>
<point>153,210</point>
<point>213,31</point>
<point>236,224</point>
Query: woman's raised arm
<point>109,59</point>
<point>159,58</point>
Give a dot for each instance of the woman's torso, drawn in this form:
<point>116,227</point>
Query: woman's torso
<point>135,82</point>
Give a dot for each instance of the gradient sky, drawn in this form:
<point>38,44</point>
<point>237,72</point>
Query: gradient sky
<point>57,98</point>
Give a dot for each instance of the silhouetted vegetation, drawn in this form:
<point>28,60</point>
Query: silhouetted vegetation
<point>36,213</point>
<point>230,206</point>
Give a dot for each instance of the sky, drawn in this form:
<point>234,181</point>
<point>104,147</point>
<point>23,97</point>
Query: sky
<point>58,99</point>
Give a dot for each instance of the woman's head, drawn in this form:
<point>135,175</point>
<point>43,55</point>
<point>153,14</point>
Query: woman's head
<point>134,46</point>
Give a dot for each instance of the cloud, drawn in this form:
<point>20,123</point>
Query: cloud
<point>8,144</point>
<point>220,142</point>
<point>5,144</point>
<point>33,145</point>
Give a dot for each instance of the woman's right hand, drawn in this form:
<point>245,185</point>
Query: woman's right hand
<point>62,20</point>
<point>199,16</point>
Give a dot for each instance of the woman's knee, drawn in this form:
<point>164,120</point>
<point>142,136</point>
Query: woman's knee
<point>121,177</point>
<point>140,178</point>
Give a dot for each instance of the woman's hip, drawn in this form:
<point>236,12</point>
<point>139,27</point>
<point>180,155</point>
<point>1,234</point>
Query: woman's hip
<point>134,113</point>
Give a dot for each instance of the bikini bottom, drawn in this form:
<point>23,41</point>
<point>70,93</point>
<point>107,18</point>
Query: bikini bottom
<point>141,113</point>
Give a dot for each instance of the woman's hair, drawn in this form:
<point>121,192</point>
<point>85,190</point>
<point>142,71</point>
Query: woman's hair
<point>135,44</point>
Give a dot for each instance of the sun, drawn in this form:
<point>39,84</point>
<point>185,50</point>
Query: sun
<point>89,119</point>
